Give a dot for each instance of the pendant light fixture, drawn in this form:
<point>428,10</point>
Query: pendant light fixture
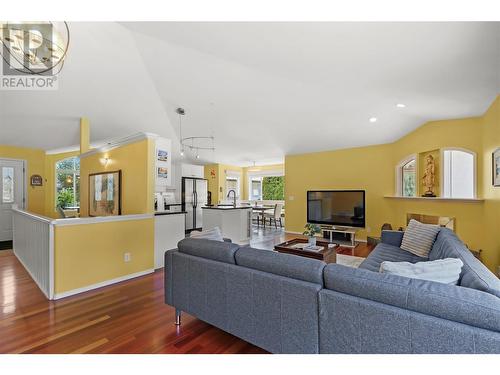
<point>34,47</point>
<point>195,144</point>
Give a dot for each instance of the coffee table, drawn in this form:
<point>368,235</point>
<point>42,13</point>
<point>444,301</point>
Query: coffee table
<point>327,254</point>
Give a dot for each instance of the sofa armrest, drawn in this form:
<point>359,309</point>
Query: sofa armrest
<point>451,302</point>
<point>392,237</point>
<point>227,239</point>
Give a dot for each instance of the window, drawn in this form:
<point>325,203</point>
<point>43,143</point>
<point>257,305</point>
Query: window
<point>233,183</point>
<point>256,188</point>
<point>273,188</point>
<point>459,174</point>
<point>409,176</point>
<point>8,185</point>
<point>68,182</point>
<point>406,177</point>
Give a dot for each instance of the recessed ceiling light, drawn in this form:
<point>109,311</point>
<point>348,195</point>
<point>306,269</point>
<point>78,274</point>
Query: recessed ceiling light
<point>401,105</point>
<point>373,119</point>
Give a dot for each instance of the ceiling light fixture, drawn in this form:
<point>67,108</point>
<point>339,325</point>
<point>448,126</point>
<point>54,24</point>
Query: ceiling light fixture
<point>373,119</point>
<point>401,105</point>
<point>195,144</point>
<point>34,47</point>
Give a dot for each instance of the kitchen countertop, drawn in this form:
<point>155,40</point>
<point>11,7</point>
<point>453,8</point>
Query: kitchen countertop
<point>227,207</point>
<point>160,213</point>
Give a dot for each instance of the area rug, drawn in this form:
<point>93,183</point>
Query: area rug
<point>349,260</point>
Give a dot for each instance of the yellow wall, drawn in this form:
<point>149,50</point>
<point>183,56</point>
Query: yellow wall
<point>35,165</point>
<point>217,185</point>
<point>374,169</point>
<point>211,173</point>
<point>92,253</point>
<point>491,213</point>
<point>135,160</point>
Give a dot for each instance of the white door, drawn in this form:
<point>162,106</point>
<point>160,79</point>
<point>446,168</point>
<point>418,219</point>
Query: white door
<point>11,192</point>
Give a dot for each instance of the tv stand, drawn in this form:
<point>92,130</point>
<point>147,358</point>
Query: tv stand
<point>343,236</point>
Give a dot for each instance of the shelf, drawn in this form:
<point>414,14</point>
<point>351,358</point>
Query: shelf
<point>438,199</point>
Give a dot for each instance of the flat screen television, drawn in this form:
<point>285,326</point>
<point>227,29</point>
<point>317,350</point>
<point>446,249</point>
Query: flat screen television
<point>336,207</point>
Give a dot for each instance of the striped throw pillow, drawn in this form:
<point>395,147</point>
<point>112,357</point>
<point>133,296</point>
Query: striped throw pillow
<point>419,238</point>
<point>213,234</point>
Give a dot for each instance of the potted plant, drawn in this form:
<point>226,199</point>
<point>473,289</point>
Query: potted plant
<point>310,232</point>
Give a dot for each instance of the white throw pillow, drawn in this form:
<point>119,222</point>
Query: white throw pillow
<point>418,238</point>
<point>446,271</point>
<point>213,234</point>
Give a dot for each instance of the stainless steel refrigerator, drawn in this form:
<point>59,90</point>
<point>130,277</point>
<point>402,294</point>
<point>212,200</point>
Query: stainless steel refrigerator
<point>194,197</point>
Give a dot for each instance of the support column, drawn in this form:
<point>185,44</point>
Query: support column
<point>84,135</point>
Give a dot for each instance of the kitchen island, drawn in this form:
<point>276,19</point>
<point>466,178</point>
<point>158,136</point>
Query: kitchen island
<point>234,221</point>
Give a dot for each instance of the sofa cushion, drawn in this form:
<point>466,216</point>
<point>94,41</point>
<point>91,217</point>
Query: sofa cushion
<point>210,234</point>
<point>287,265</point>
<point>384,252</point>
<point>209,249</point>
<point>446,271</point>
<point>444,301</point>
<point>419,238</point>
<point>474,274</point>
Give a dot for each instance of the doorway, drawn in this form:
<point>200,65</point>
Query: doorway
<point>12,192</point>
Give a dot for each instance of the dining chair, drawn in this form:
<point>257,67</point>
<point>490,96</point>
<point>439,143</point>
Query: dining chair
<point>275,215</point>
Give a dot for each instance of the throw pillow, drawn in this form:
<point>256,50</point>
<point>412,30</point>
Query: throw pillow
<point>213,234</point>
<point>446,271</point>
<point>419,238</point>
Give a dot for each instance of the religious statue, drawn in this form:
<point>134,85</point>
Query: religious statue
<point>429,176</point>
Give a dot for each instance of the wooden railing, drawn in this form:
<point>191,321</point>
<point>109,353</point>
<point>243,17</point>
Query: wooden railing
<point>33,242</point>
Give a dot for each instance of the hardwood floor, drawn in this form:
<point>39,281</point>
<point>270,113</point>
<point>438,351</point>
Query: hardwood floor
<point>128,317</point>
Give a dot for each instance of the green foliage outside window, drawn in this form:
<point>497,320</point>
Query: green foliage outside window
<point>273,188</point>
<point>65,198</point>
<point>68,182</point>
<point>409,185</point>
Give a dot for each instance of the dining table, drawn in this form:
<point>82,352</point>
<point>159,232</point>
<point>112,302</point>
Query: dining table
<point>261,209</point>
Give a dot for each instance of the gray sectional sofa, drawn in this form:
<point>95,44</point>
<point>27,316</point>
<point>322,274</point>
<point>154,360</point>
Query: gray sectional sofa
<point>289,304</point>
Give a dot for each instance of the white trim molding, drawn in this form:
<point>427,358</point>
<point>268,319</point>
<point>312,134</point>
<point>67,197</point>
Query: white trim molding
<point>100,219</point>
<point>399,173</point>
<point>266,173</point>
<point>103,284</point>
<point>438,199</point>
<point>474,172</point>
<point>115,143</point>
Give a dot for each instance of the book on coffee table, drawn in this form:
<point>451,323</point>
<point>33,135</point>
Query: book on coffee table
<point>313,248</point>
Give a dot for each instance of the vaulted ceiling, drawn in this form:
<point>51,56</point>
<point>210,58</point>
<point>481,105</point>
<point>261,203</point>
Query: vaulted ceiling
<point>263,90</point>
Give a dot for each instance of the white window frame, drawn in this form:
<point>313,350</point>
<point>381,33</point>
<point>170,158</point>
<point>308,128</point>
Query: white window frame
<point>251,179</point>
<point>399,174</point>
<point>261,174</point>
<point>67,171</point>
<point>233,175</point>
<point>474,171</point>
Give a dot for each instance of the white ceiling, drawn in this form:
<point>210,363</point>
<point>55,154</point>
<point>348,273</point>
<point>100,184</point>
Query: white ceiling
<point>263,90</point>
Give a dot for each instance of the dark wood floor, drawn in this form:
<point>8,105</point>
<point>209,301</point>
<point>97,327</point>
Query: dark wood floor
<point>129,317</point>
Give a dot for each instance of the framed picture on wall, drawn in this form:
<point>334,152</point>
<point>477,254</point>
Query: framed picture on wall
<point>496,167</point>
<point>163,163</point>
<point>105,193</point>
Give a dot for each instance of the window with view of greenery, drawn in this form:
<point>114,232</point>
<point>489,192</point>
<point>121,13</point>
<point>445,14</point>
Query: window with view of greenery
<point>273,188</point>
<point>68,183</point>
<point>409,175</point>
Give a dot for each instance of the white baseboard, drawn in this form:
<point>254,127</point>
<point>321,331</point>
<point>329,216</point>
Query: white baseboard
<point>292,232</point>
<point>102,284</point>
